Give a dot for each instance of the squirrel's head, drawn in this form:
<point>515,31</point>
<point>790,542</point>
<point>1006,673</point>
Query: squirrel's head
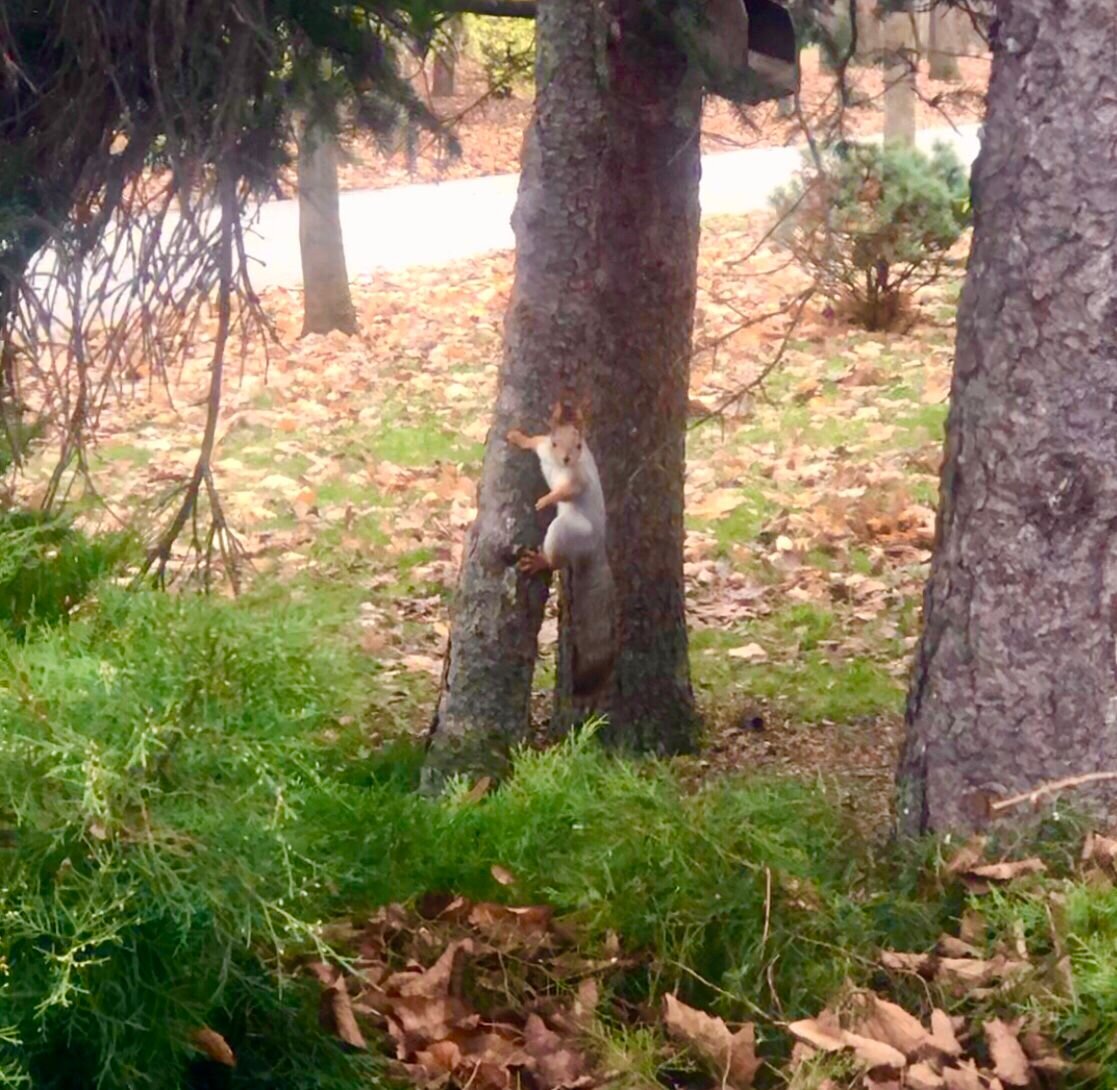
<point>566,433</point>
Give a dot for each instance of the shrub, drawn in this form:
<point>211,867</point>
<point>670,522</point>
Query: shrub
<point>47,567</point>
<point>874,225</point>
<point>505,49</point>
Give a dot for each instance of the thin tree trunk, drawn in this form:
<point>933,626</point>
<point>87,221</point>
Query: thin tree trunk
<point>602,305</point>
<point>899,79</point>
<point>1015,680</point>
<point>327,304</point>
<point>942,44</point>
<point>551,329</point>
<point>868,32</point>
<point>444,63</point>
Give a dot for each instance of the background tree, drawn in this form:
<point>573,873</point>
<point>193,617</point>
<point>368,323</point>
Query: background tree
<point>943,42</point>
<point>1016,674</point>
<point>602,305</point>
<point>900,59</point>
<point>107,113</point>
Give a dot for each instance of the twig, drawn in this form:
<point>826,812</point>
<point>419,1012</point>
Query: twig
<point>1050,789</point>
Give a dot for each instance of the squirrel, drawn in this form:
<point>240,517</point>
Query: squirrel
<point>575,543</point>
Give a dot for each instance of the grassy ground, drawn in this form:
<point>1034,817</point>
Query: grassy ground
<point>348,467</point>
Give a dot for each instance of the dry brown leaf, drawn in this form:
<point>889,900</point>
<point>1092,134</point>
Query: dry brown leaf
<point>953,947</point>
<point>502,875</point>
<point>943,1037</point>
<point>890,1023</point>
<point>425,1020</point>
<point>478,791</point>
<point>1100,850</point>
<point>873,1053</point>
<point>437,980</point>
<point>971,927</point>
<point>968,856</point>
<point>922,1076</point>
<point>923,964</point>
<point>732,1056</point>
<point>210,1042</point>
<point>1009,1060</point>
<point>1007,871</point>
<point>336,1005</point>
<point>965,973</point>
<point>556,1064</point>
<point>965,1077</point>
<point>824,1036</point>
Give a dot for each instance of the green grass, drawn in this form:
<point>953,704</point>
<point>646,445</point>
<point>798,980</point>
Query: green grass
<point>187,788</point>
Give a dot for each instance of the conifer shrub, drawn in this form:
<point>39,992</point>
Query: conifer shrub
<point>874,224</point>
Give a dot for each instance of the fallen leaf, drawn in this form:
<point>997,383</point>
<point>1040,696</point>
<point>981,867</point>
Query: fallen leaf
<point>437,980</point>
<point>503,876</point>
<point>1009,1060</point>
<point>943,1037</point>
<point>732,1056</point>
<point>965,1077</point>
<point>210,1042</point>
<point>750,652</point>
<point>890,1023</point>
<point>922,1076</point>
<point>1006,872</point>
<point>556,1064</point>
<point>336,1004</point>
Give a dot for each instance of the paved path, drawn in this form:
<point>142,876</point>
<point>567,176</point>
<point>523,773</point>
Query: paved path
<point>432,224</point>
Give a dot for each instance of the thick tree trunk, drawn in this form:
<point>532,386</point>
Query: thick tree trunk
<point>551,329</point>
<point>650,221</point>
<point>1016,676</point>
<point>899,79</point>
<point>327,304</point>
<point>602,305</point>
<point>942,43</point>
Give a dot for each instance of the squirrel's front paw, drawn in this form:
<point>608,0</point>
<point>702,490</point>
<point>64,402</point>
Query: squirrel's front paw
<point>532,563</point>
<point>542,503</point>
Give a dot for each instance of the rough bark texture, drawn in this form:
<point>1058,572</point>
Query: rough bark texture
<point>869,29</point>
<point>943,43</point>
<point>1016,679</point>
<point>650,217</point>
<point>551,330</point>
<point>327,304</point>
<point>899,79</point>
<point>602,306</point>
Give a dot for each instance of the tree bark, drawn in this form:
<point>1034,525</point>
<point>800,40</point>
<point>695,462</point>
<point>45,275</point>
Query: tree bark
<point>868,32</point>
<point>551,329</point>
<point>327,304</point>
<point>602,306</point>
<point>1015,680</point>
<point>640,378</point>
<point>942,44</point>
<point>899,79</point>
<point>445,61</point>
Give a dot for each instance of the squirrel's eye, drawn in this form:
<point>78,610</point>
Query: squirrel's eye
<point>554,443</point>
<point>579,446</point>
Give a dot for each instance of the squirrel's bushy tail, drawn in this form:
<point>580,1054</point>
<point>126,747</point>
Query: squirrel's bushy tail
<point>593,612</point>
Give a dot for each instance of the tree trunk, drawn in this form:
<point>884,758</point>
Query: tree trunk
<point>899,79</point>
<point>1015,680</point>
<point>942,44</point>
<point>551,328</point>
<point>602,305</point>
<point>869,36</point>
<point>640,378</point>
<point>442,67</point>
<point>327,304</point>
